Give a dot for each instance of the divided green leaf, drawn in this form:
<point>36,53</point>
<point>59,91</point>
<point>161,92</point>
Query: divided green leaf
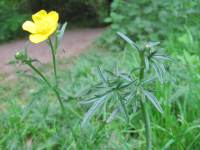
<point>153,100</point>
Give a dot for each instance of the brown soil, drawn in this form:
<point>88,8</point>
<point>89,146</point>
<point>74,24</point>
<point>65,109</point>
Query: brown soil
<point>74,42</point>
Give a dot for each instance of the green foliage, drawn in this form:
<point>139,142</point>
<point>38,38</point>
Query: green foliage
<point>11,19</point>
<point>32,118</point>
<point>117,91</point>
<point>11,27</point>
<point>87,12</point>
<point>151,20</point>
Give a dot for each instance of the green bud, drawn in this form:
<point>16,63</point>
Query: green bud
<point>20,56</point>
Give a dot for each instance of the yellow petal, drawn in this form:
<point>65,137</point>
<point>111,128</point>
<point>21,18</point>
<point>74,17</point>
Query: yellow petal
<point>52,29</point>
<point>39,15</point>
<point>29,26</point>
<point>37,38</point>
<point>53,15</point>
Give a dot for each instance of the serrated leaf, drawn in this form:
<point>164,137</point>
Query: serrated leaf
<point>93,110</point>
<point>163,57</point>
<point>158,72</point>
<point>128,40</point>
<point>153,100</point>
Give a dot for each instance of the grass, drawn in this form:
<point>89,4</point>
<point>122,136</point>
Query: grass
<point>30,116</point>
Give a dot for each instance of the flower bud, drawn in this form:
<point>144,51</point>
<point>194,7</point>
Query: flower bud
<point>20,56</point>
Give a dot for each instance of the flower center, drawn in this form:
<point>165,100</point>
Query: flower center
<point>43,26</point>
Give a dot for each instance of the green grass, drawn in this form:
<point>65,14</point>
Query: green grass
<point>30,117</point>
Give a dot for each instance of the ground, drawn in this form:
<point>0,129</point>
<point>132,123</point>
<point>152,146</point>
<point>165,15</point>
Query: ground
<point>74,42</point>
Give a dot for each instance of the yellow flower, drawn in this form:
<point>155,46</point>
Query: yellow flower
<point>43,25</point>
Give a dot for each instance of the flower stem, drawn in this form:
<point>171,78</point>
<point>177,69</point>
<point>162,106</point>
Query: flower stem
<point>144,108</point>
<point>54,62</point>
<point>48,83</point>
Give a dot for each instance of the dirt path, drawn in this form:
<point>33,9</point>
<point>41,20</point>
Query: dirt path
<point>74,42</point>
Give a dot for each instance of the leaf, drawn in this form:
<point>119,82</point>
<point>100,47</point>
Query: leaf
<point>135,69</point>
<point>148,80</point>
<point>126,76</point>
<point>30,76</point>
<point>153,100</point>
<point>162,68</point>
<point>110,73</point>
<point>59,37</point>
<point>113,115</point>
<point>117,110</point>
<point>158,72</point>
<point>168,144</point>
<point>146,60</point>
<point>101,75</point>
<point>93,110</point>
<point>163,57</point>
<point>127,85</point>
<point>123,106</point>
<point>152,44</point>
<point>91,100</point>
<point>83,91</point>
<point>27,109</point>
<point>180,92</point>
<point>193,141</point>
<point>128,40</point>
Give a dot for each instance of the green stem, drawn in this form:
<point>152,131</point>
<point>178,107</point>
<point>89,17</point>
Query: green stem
<point>54,62</point>
<point>59,99</point>
<point>144,108</point>
<point>40,74</point>
<point>48,83</point>
<point>142,63</point>
<point>147,125</point>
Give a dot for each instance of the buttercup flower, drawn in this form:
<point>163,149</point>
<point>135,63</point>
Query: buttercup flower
<point>43,25</point>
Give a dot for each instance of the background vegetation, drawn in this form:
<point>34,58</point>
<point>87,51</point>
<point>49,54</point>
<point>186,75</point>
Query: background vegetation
<point>29,116</point>
<point>155,20</point>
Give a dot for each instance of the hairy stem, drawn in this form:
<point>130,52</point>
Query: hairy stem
<point>48,83</point>
<point>147,125</point>
<point>144,108</point>
<point>54,62</point>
